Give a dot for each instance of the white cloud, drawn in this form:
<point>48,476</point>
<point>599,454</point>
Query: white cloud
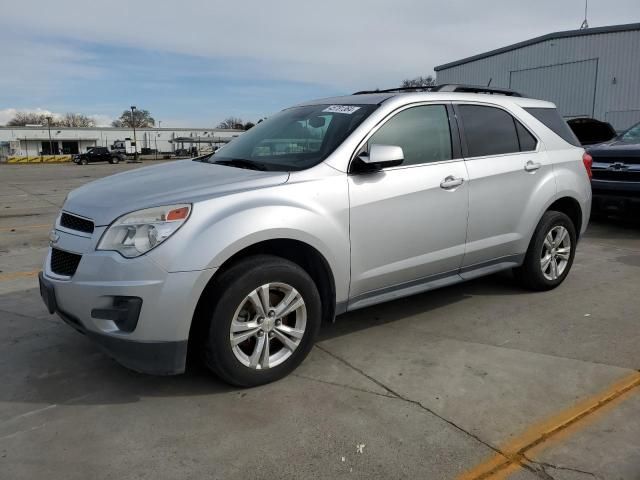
<point>339,43</point>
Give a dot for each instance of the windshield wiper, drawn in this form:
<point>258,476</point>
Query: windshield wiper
<point>241,163</point>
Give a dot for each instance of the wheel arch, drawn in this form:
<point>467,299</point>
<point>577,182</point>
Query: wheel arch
<point>571,208</point>
<point>296,251</point>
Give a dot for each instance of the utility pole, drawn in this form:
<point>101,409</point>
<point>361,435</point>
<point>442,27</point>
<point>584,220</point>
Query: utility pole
<point>50,142</point>
<point>135,142</point>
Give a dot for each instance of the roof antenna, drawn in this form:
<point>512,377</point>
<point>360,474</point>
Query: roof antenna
<point>585,24</point>
<point>489,84</point>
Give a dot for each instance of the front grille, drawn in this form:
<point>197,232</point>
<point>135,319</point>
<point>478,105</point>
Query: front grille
<point>617,175</point>
<point>76,223</point>
<point>64,263</point>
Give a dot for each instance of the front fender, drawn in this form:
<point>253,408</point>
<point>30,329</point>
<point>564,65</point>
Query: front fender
<point>315,213</point>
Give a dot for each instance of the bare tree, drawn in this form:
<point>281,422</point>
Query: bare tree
<point>421,81</point>
<point>140,119</point>
<point>27,118</point>
<point>231,123</point>
<point>248,125</point>
<point>74,120</point>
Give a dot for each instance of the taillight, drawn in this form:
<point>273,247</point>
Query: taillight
<point>588,161</point>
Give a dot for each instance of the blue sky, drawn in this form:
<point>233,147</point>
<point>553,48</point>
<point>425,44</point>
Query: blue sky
<point>177,88</point>
<point>195,62</point>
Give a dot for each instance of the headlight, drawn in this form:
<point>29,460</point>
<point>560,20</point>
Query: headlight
<point>138,232</point>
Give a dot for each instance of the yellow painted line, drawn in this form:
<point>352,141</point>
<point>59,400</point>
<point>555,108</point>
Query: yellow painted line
<point>14,275</point>
<point>22,227</point>
<point>542,435</point>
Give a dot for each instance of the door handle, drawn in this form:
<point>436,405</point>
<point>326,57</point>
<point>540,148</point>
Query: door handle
<point>451,182</point>
<point>532,166</point>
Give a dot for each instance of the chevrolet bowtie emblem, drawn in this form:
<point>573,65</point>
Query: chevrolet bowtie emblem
<point>618,166</point>
<point>53,237</point>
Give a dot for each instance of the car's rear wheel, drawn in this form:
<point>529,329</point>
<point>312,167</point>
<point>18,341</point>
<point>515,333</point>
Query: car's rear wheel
<point>263,321</point>
<point>550,254</point>
<point>114,160</point>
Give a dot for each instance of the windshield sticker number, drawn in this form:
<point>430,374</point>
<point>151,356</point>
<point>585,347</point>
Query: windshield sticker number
<point>348,109</point>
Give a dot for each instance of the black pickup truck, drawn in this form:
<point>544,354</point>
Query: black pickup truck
<point>616,172</point>
<point>97,154</point>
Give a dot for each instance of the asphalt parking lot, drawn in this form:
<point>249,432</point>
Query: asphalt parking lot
<point>478,380</point>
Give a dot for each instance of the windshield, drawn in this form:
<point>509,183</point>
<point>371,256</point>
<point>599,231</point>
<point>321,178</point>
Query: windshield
<point>633,134</point>
<point>294,139</point>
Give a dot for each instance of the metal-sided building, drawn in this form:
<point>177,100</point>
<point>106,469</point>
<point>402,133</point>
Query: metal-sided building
<point>592,72</point>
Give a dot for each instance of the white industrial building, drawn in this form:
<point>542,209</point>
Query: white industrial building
<point>40,140</point>
<point>591,72</point>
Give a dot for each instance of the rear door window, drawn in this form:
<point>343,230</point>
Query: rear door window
<point>488,131</point>
<point>552,119</point>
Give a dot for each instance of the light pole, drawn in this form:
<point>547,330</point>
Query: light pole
<point>156,139</point>
<point>135,142</point>
<point>50,142</point>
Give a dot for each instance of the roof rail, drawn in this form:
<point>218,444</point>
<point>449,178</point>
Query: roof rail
<point>428,88</point>
<point>448,87</point>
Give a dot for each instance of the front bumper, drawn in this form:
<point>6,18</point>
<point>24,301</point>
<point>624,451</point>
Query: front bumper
<point>155,358</point>
<point>152,339</point>
<point>615,195</point>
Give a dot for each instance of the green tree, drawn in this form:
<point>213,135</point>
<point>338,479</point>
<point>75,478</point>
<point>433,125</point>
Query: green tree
<point>231,123</point>
<point>140,119</point>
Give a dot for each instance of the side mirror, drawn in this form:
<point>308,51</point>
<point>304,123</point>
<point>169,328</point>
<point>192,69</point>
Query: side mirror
<point>380,156</point>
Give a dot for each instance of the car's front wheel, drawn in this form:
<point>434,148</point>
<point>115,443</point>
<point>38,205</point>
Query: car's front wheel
<point>84,161</point>
<point>263,321</point>
<point>550,254</point>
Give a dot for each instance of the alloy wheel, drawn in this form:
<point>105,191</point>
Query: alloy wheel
<point>268,326</point>
<point>556,252</point>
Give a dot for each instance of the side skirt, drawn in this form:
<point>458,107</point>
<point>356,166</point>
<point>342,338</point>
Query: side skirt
<point>434,281</point>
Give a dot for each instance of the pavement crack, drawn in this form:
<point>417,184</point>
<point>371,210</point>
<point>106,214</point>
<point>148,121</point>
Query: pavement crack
<point>349,387</point>
<point>545,465</point>
<point>39,195</point>
<point>414,402</point>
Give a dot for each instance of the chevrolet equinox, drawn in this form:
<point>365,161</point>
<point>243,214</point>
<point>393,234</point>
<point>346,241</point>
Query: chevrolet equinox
<point>326,207</point>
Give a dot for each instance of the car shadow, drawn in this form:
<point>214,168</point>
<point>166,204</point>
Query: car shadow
<point>50,363</point>
<point>612,226</point>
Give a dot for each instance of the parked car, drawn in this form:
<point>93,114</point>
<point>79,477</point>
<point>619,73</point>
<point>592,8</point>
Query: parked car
<point>591,131</point>
<point>97,154</point>
<point>616,172</point>
<point>327,207</point>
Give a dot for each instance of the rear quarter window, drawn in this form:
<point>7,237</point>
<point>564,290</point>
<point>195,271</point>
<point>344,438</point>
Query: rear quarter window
<point>552,120</point>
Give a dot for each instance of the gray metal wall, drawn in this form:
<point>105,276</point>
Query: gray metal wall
<point>593,75</point>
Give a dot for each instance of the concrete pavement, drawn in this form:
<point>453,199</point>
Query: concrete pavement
<point>435,386</point>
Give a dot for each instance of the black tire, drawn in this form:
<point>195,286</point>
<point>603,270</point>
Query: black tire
<point>230,290</point>
<point>114,160</point>
<point>84,161</point>
<point>530,274</point>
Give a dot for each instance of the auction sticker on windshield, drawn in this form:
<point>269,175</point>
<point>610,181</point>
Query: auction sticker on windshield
<point>348,109</point>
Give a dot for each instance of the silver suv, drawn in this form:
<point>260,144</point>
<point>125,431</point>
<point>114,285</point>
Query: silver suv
<point>326,207</point>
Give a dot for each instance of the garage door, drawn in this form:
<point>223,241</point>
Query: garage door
<point>571,86</point>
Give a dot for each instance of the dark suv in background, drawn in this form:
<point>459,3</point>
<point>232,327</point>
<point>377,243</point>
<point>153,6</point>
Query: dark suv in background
<point>616,171</point>
<point>97,154</point>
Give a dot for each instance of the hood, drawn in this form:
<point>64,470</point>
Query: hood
<point>184,181</point>
<point>615,148</point>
